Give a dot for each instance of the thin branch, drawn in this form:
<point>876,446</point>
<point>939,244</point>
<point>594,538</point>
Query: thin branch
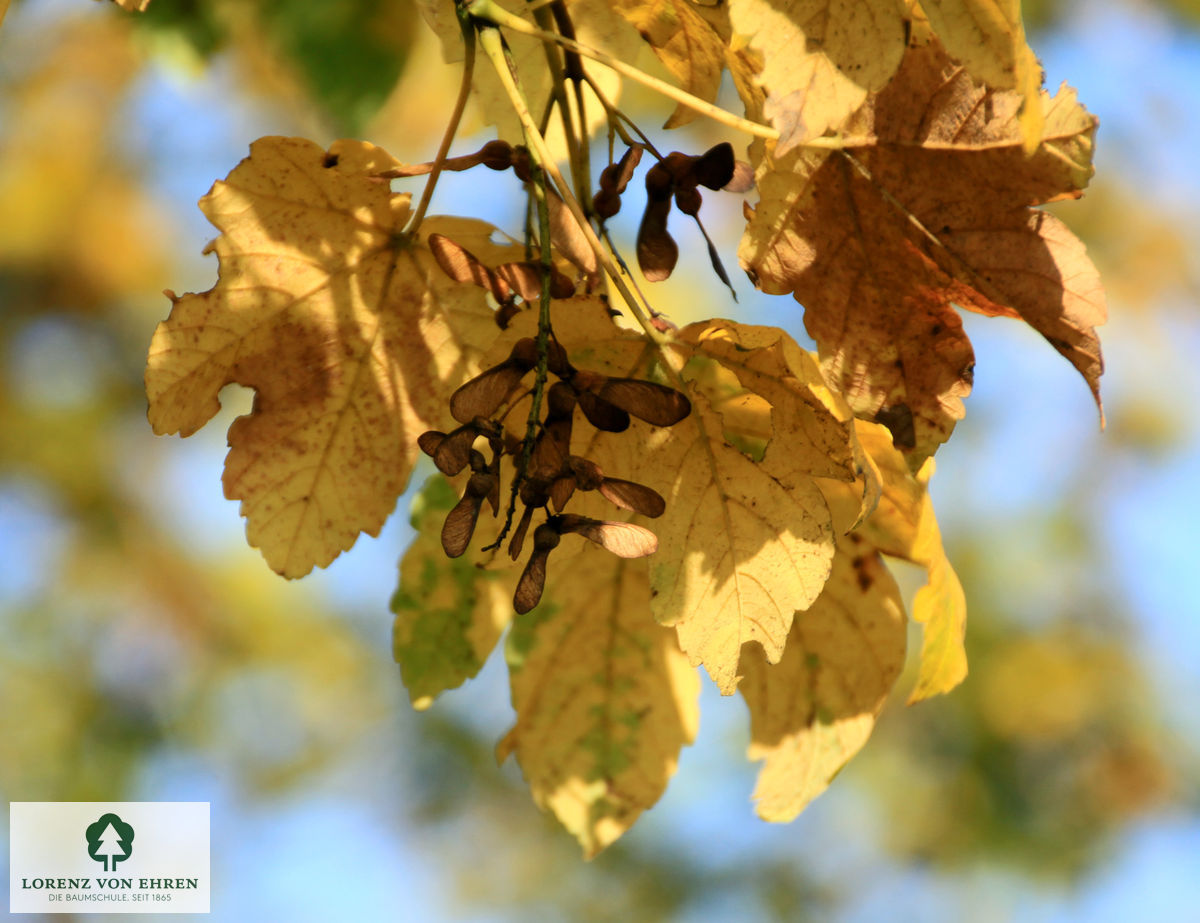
<point>460,104</point>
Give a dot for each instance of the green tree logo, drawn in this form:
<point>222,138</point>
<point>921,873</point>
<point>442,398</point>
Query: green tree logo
<point>110,840</point>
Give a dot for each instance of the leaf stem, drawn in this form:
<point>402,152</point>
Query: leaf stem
<point>460,104</point>
<point>576,150</point>
<point>493,46</point>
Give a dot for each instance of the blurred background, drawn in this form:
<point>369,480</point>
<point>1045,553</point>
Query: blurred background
<point>147,653</point>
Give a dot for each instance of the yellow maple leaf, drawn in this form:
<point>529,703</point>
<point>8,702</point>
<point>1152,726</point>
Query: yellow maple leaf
<point>604,698</point>
<point>743,543</point>
<point>927,208</point>
<point>686,43</point>
<point>815,708</point>
<point>819,59</point>
<point>348,332</point>
<point>746,543</point>
<point>904,525</point>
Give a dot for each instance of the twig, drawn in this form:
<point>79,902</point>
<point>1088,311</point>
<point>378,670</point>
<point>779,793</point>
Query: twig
<point>460,104</point>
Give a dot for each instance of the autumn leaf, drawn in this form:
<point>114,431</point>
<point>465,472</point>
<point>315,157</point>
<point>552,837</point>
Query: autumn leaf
<point>928,207</point>
<point>134,6</point>
<point>819,60</point>
<point>811,712</point>
<point>746,543</point>
<point>904,526</point>
<point>815,708</point>
<point>348,332</point>
<point>743,543</point>
<point>604,698</point>
<point>686,43</point>
<point>450,612</point>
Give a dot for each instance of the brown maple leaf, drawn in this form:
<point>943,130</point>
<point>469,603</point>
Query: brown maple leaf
<point>929,206</point>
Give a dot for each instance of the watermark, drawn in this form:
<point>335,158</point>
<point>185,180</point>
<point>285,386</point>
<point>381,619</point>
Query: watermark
<point>108,857</point>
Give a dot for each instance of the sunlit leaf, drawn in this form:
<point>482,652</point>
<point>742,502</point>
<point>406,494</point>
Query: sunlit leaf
<point>815,708</point>
<point>604,698</point>
<point>350,335</point>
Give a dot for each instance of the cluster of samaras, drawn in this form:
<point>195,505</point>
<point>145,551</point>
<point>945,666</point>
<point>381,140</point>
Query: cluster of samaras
<point>547,474</point>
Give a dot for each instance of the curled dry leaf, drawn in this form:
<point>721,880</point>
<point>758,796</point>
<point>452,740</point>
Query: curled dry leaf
<point>931,208</point>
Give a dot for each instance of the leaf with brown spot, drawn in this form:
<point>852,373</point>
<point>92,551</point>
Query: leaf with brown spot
<point>928,208</point>
<point>350,336</point>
